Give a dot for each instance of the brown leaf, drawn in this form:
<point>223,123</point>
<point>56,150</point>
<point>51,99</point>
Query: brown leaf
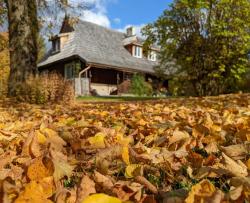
<point>86,188</point>
<point>105,182</point>
<point>235,152</point>
<point>234,168</point>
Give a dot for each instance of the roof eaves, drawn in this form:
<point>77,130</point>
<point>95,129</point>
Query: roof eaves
<point>129,69</point>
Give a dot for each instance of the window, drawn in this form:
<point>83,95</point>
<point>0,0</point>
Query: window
<point>56,45</point>
<point>137,52</point>
<point>69,70</point>
<point>152,56</point>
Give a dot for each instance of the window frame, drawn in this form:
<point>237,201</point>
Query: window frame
<point>69,71</point>
<point>137,51</point>
<point>56,45</point>
<point>152,56</point>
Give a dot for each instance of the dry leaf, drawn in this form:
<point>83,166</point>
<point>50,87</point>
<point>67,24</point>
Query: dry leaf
<point>233,167</point>
<point>235,152</point>
<point>178,136</point>
<point>102,180</point>
<point>133,170</point>
<point>61,168</point>
<point>125,155</point>
<point>201,192</point>
<point>40,168</point>
<point>37,191</point>
<point>86,188</point>
<point>101,198</point>
<point>97,141</point>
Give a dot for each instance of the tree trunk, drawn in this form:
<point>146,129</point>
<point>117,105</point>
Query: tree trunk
<point>23,31</point>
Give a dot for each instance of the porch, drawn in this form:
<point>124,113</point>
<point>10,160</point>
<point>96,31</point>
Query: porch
<point>98,81</point>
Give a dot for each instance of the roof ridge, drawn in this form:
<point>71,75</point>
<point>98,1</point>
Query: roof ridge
<point>101,26</point>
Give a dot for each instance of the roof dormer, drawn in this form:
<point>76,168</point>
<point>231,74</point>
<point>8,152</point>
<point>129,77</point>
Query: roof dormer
<point>59,41</point>
<point>55,44</point>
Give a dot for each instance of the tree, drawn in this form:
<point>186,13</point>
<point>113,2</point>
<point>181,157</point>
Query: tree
<point>209,39</point>
<point>23,22</point>
<point>23,34</point>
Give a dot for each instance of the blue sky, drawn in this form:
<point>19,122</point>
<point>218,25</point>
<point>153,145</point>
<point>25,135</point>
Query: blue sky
<point>119,14</point>
<point>136,12</point>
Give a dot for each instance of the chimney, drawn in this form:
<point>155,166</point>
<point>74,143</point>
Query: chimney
<point>131,31</point>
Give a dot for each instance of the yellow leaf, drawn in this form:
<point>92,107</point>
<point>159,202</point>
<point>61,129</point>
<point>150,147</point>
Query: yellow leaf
<point>38,170</point>
<point>97,140</point>
<point>142,122</point>
<point>48,186</point>
<point>125,155</point>
<point>37,191</point>
<point>49,132</point>
<point>104,113</point>
<point>133,170</point>
<point>40,137</point>
<point>248,164</point>
<point>248,137</point>
<point>200,192</point>
<point>101,198</point>
<point>124,141</point>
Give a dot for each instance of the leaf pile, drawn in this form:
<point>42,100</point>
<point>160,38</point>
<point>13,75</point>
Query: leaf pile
<point>176,150</point>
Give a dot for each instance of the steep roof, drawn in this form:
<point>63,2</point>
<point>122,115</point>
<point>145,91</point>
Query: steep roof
<point>99,45</point>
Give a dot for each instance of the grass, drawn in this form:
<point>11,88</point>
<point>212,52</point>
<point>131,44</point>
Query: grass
<point>116,98</point>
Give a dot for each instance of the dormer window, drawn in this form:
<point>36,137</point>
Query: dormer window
<point>137,51</point>
<point>152,56</point>
<point>56,45</point>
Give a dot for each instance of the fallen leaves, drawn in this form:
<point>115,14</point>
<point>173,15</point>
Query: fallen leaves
<point>177,150</point>
<point>86,188</point>
<point>101,198</point>
<point>37,191</point>
<point>201,192</point>
<point>237,169</point>
<point>41,167</point>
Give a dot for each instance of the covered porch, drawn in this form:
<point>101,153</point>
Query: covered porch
<point>94,79</point>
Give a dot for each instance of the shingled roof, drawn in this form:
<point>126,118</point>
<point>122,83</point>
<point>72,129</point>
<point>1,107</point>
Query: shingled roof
<point>99,45</point>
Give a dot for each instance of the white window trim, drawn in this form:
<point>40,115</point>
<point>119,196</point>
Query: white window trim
<point>152,56</point>
<point>137,51</point>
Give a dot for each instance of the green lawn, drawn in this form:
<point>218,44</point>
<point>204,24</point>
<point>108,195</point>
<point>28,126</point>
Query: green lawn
<point>116,98</point>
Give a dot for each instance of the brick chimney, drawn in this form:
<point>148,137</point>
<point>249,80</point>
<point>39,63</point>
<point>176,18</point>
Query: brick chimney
<point>131,31</point>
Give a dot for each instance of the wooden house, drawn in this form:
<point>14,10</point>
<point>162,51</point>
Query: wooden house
<point>98,59</point>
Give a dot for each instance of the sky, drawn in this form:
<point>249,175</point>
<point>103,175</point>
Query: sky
<point>120,14</point>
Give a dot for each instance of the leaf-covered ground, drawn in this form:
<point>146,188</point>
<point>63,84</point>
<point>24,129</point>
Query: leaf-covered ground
<point>177,150</point>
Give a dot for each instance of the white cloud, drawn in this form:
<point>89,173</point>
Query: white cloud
<point>117,20</point>
<point>97,18</point>
<point>97,12</point>
<point>137,29</point>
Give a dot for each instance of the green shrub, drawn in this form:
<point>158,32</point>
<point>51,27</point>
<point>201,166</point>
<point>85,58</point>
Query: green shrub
<point>140,87</point>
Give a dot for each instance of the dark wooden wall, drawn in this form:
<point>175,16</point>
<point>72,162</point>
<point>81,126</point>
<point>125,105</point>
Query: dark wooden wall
<point>105,76</point>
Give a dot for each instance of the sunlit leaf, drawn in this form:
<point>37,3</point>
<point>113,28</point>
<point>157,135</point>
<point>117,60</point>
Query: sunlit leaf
<point>101,198</point>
